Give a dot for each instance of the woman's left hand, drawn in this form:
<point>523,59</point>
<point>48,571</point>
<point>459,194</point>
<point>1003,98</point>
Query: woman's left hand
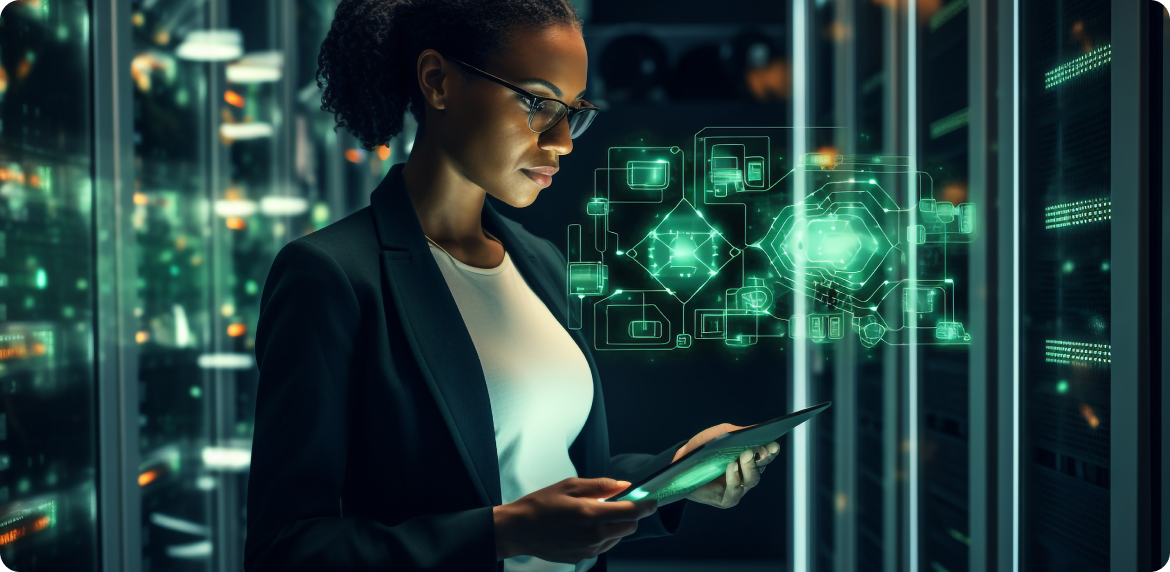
<point>740,475</point>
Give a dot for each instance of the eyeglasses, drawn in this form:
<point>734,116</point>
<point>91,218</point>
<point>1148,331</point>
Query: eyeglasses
<point>545,112</point>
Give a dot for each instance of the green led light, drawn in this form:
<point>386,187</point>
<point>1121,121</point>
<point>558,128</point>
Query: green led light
<point>956,120</point>
<point>1080,212</point>
<point>947,14</point>
<point>1062,387</point>
<point>1077,353</point>
<point>959,536</point>
<point>1079,66</point>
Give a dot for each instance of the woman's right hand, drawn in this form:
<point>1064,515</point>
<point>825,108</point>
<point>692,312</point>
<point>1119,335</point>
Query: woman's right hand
<point>566,523</point>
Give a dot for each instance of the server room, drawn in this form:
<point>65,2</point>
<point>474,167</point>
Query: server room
<point>268,303</point>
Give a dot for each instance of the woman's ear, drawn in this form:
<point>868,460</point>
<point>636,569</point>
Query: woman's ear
<point>434,78</point>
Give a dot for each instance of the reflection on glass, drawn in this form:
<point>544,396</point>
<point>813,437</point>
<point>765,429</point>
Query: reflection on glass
<point>1065,286</point>
<point>171,149</point>
<point>942,89</point>
<point>233,159</point>
<point>47,423</point>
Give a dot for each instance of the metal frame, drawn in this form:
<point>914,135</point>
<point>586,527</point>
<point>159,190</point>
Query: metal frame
<point>116,368</point>
<point>1130,469</point>
<point>802,530</point>
<point>982,458</point>
<point>1006,286</point>
<point>893,360</point>
<point>913,412</point>
<point>845,369</point>
<point>1164,462</point>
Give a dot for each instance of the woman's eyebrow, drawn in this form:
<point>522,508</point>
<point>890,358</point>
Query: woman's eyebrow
<point>547,84</point>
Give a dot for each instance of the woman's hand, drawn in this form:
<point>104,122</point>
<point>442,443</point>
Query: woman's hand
<point>739,477</point>
<point>564,523</point>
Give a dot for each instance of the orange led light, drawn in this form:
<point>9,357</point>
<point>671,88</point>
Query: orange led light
<point>235,223</point>
<point>141,337</point>
<point>1091,417</point>
<point>13,352</point>
<point>773,80</point>
<point>353,155</point>
<point>383,152</point>
<point>38,524</point>
<point>233,98</point>
<point>829,155</point>
<point>139,199</point>
<point>236,330</point>
<point>146,478</point>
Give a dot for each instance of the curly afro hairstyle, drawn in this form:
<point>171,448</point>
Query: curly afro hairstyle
<point>368,61</point>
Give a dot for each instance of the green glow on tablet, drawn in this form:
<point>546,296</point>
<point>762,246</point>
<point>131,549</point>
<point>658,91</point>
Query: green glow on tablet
<point>636,494</point>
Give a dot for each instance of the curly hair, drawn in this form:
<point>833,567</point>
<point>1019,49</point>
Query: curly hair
<point>368,61</point>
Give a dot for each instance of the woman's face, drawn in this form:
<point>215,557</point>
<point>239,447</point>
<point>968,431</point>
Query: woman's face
<point>484,127</point>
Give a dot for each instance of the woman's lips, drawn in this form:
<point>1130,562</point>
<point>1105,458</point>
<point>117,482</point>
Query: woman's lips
<point>542,180</point>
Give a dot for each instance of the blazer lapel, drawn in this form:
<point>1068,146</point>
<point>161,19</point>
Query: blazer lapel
<point>436,331</point>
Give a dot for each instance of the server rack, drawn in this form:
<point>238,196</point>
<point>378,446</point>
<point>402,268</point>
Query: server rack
<point>1065,233</point>
<point>48,456</point>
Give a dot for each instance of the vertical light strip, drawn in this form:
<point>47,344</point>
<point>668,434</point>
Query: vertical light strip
<point>1016,285</point>
<point>911,204</point>
<point>800,437</point>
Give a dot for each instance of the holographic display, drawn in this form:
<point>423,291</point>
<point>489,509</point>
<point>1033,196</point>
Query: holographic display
<point>713,246</point>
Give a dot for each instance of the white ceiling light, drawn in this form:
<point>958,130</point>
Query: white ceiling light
<point>283,206</point>
<point>258,67</point>
<point>241,131</point>
<point>226,208</point>
<point>211,46</point>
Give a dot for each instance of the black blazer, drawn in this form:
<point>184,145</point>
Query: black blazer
<point>374,446</point>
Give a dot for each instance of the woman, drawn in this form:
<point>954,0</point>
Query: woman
<point>420,405</point>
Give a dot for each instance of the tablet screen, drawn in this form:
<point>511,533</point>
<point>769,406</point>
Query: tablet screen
<point>707,462</point>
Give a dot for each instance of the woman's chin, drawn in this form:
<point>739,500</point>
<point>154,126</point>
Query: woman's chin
<point>519,200</point>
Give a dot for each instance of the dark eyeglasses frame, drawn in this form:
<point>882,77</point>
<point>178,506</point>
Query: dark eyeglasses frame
<point>533,99</point>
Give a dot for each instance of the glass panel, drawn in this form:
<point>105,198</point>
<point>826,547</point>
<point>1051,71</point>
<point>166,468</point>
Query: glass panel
<point>47,422</point>
<point>1065,313</point>
<point>942,118</point>
<point>233,159</point>
<point>171,152</point>
<point>874,430</point>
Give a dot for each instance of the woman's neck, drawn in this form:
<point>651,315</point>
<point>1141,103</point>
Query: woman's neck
<point>448,205</point>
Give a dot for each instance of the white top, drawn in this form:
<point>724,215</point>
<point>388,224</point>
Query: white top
<point>540,385</point>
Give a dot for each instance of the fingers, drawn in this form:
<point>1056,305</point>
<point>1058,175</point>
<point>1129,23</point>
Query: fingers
<point>733,490</point>
<point>769,452</point>
<point>594,488</point>
<point>618,530</point>
<point>609,544</point>
<point>626,510</point>
<point>748,470</point>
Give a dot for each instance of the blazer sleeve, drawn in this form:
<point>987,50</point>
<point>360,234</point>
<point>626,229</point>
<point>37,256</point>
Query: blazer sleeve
<point>306,349</point>
<point>633,466</point>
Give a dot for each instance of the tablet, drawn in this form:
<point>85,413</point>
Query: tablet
<point>663,478</point>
